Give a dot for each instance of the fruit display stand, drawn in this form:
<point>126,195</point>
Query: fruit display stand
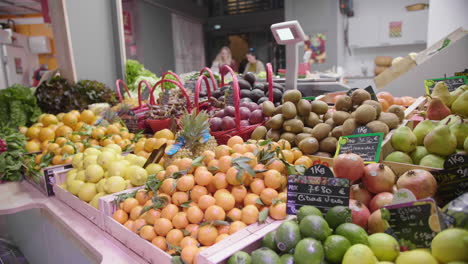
<point>46,177</point>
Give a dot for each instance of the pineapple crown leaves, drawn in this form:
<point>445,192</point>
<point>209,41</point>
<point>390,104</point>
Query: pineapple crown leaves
<point>242,166</point>
<point>158,202</point>
<point>262,217</point>
<point>193,126</point>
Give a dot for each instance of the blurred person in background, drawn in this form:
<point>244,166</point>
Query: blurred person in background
<point>224,57</point>
<point>253,65</point>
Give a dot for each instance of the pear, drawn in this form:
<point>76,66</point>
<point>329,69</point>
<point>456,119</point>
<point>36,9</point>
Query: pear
<point>450,120</point>
<point>459,91</point>
<point>433,161</point>
<point>419,153</point>
<point>460,130</point>
<point>441,90</point>
<point>422,129</point>
<point>440,141</point>
<point>404,139</point>
<point>460,105</point>
<point>437,110</point>
<point>398,156</point>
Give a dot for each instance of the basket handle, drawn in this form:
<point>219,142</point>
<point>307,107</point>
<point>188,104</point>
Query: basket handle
<point>196,97</point>
<point>181,87</point>
<point>172,74</point>
<point>225,69</point>
<point>139,92</point>
<point>117,87</point>
<point>269,73</point>
<point>213,80</point>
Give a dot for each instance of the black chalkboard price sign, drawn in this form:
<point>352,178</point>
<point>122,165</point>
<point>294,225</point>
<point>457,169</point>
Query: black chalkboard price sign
<point>368,89</point>
<point>452,181</point>
<point>452,83</point>
<point>367,146</point>
<point>415,224</point>
<point>362,130</point>
<point>319,170</point>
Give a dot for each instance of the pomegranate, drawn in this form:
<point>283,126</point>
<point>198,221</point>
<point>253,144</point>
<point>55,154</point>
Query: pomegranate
<point>349,166</point>
<point>380,200</point>
<point>420,182</point>
<point>376,224</point>
<point>359,213</point>
<point>378,178</point>
<point>358,192</point>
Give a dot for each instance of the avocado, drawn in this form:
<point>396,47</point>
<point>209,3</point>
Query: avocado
<point>263,99</point>
<point>244,85</point>
<point>245,93</point>
<point>277,94</point>
<point>250,77</point>
<point>256,94</point>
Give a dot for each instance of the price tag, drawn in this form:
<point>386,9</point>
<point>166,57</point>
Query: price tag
<point>368,146</point>
<point>452,83</point>
<point>319,170</point>
<point>452,181</point>
<point>321,192</point>
<point>415,224</point>
<point>362,130</point>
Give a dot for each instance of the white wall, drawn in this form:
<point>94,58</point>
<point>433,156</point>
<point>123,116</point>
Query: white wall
<point>444,17</point>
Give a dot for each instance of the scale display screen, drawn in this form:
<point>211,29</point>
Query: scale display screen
<point>285,34</point>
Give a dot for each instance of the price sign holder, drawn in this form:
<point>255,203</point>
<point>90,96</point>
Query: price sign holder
<point>452,181</point>
<point>369,89</point>
<point>318,188</point>
<point>414,224</point>
<point>452,83</point>
<point>368,146</point>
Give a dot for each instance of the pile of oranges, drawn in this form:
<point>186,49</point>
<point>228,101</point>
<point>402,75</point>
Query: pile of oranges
<point>386,99</point>
<point>211,199</point>
<point>144,146</point>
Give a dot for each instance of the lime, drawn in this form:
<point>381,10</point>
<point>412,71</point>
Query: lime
<point>315,227</point>
<point>94,173</point>
<point>308,210</point>
<point>115,184</point>
<point>240,257</point>
<point>287,236</point>
<point>95,201</point>
<point>264,255</point>
<point>338,215</point>
<point>335,247</point>
<point>308,251</point>
<point>138,175</point>
<point>384,246</point>
<point>87,192</point>
<point>269,241</point>
<point>359,253</point>
<point>287,259</point>
<point>354,233</point>
<point>451,245</point>
<point>75,186</point>
<point>416,256</point>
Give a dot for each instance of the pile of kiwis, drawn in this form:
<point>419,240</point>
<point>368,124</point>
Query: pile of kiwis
<point>315,128</point>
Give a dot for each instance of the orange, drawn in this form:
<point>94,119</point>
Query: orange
<point>88,117</point>
<point>162,226</point>
<point>273,179</point>
<point>49,119</point>
<point>386,96</point>
<point>221,237</point>
<point>225,200</point>
<point>70,119</point>
<point>239,192</point>
<point>120,216</point>
<point>142,196</point>
<point>137,225</point>
<point>192,229</point>
<point>147,232</point>
<point>203,176</point>
<point>253,161</point>
<point>224,163</point>
<point>79,147</point>
<point>61,141</point>
<point>233,178</point>
<point>303,160</point>
<point>267,195</point>
<point>251,147</point>
<point>215,212</point>
<point>174,237</point>
<point>64,131</point>
<point>257,186</point>
<point>214,165</point>
<point>207,235</point>
<point>129,204</point>
<point>235,140</point>
<point>218,193</point>
<point>57,159</point>
<point>208,156</point>
<point>259,167</point>
<point>206,201</point>
<point>223,229</point>
<point>278,211</point>
<point>152,215</point>
<point>239,148</point>
<point>150,144</point>
<point>189,253</point>
<point>161,175</point>
<point>197,192</point>
<point>160,242</point>
<point>385,104</point>
<point>33,132</point>
<point>38,158</point>
<point>116,138</point>
<point>297,153</point>
<point>236,226</point>
<point>67,149</point>
<point>179,198</point>
<point>251,198</point>
<point>129,225</point>
<point>46,133</point>
<point>168,186</point>
<point>235,214</point>
<point>169,211</point>
<point>222,150</point>
<point>142,153</point>
<point>288,156</point>
<point>188,241</point>
<point>284,144</point>
<point>185,183</point>
<point>68,160</point>
<point>139,146</point>
<point>164,133</point>
<point>282,196</point>
<point>219,180</point>
<point>106,142</point>
<point>180,220</point>
<point>184,164</point>
<point>194,214</point>
<point>170,170</point>
<point>276,165</point>
<point>136,212</point>
<point>44,145</point>
<point>112,129</point>
<point>249,214</point>
<point>125,134</point>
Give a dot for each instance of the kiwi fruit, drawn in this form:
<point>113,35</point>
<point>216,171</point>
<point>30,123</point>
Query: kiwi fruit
<point>319,107</point>
<point>337,131</point>
<point>398,110</point>
<point>377,105</point>
<point>327,116</point>
<point>273,135</point>
<point>321,131</point>
<point>365,113</point>
<point>323,154</point>
<point>268,108</point>
<point>300,137</point>
<point>390,119</point>
<point>276,122</point>
<point>289,110</point>
<point>293,125</point>
<point>352,115</point>
<point>349,126</point>
<point>291,137</point>
<point>307,130</point>
<point>309,145</point>
<point>312,120</point>
<point>259,133</point>
<point>377,126</point>
<point>278,110</point>
<point>343,103</point>
<point>330,122</point>
<point>339,117</point>
<point>359,96</point>
<point>328,144</point>
<point>292,96</point>
<point>303,107</point>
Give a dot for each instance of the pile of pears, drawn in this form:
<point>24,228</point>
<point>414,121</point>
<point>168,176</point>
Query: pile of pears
<point>444,103</point>
<point>430,142</point>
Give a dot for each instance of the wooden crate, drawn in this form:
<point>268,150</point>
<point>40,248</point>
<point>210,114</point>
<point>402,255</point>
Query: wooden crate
<point>418,105</point>
<point>45,181</point>
<point>107,205</point>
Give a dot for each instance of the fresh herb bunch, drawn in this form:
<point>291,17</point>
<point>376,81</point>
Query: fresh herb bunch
<point>18,106</point>
<point>96,92</point>
<point>11,160</point>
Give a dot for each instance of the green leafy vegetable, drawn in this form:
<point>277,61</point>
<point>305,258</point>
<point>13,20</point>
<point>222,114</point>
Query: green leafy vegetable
<point>12,159</point>
<point>18,106</point>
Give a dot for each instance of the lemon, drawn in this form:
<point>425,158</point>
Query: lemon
<point>100,185</point>
<point>91,151</point>
<point>130,158</point>
<point>140,161</point>
<point>384,246</point>
<point>359,253</point>
<point>95,201</point>
<point>106,174</point>
<point>77,161</point>
<point>106,158</point>
<point>80,175</point>
<point>71,175</point>
<point>94,173</point>
<point>450,245</point>
<point>88,160</point>
<point>75,186</point>
<point>129,184</point>
<point>116,168</point>
<point>114,147</point>
<point>416,256</point>
<point>87,192</point>
<point>63,186</point>
<point>138,175</point>
<point>115,184</point>
<point>154,168</point>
